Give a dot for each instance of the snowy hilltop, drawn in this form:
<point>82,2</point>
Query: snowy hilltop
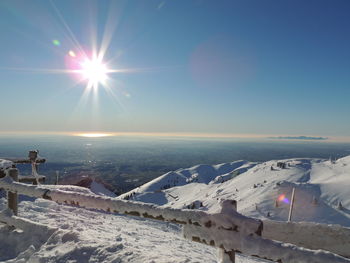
<point>64,233</point>
<point>97,187</point>
<point>262,190</point>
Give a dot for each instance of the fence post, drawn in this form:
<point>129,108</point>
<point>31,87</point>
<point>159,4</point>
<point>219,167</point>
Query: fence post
<point>12,198</point>
<point>223,255</point>
<point>57,176</point>
<point>226,256</point>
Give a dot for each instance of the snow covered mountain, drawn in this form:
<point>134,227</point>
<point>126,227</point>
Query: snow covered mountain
<point>97,187</point>
<point>263,190</point>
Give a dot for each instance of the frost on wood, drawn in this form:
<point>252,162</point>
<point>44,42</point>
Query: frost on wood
<point>263,248</point>
<point>226,225</point>
<point>7,217</point>
<point>5,164</point>
<point>334,238</point>
<point>225,257</point>
<point>229,220</point>
<point>247,241</point>
<point>8,184</point>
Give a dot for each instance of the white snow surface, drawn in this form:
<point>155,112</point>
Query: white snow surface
<point>320,186</point>
<point>5,164</point>
<point>99,189</point>
<point>81,235</point>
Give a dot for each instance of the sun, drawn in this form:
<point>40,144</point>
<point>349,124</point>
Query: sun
<point>89,67</point>
<point>94,71</point>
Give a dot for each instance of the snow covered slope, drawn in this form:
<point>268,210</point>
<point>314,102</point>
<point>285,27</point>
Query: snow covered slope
<point>263,190</point>
<point>97,187</point>
<point>202,174</point>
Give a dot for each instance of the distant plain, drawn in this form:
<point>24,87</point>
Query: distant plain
<point>125,162</point>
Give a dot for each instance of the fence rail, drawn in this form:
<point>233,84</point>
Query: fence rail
<point>228,230</point>
<point>333,238</point>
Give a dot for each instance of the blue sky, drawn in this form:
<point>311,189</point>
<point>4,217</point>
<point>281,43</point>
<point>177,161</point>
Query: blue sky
<point>214,67</point>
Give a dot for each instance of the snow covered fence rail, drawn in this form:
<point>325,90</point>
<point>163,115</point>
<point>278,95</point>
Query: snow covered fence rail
<point>7,217</point>
<point>333,238</point>
<point>108,204</point>
<point>228,230</point>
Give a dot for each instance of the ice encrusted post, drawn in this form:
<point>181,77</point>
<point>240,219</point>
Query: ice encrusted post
<point>226,257</point>
<point>223,255</point>
<point>33,156</point>
<point>226,230</point>
<point>12,198</point>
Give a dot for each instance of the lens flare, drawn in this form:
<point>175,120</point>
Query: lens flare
<point>283,198</point>
<point>72,53</point>
<point>56,42</point>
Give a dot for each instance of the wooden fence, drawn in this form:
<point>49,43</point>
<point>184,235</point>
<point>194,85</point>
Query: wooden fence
<point>333,238</point>
<point>228,230</point>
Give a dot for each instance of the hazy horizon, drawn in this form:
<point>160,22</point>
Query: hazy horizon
<point>103,134</point>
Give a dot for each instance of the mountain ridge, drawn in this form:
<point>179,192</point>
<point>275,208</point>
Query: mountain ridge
<point>258,188</point>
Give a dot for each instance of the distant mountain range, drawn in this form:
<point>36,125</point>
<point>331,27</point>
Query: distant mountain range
<point>299,138</point>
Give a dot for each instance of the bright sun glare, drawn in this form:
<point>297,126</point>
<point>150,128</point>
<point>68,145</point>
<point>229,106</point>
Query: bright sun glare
<point>94,70</point>
<point>93,135</point>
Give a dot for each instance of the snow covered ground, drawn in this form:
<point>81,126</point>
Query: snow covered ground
<point>262,190</point>
<point>81,235</point>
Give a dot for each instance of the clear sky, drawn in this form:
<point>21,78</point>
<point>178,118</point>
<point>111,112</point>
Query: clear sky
<point>223,67</point>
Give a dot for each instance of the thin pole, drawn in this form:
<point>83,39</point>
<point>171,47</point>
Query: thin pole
<point>12,198</point>
<point>57,176</point>
<point>291,205</point>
